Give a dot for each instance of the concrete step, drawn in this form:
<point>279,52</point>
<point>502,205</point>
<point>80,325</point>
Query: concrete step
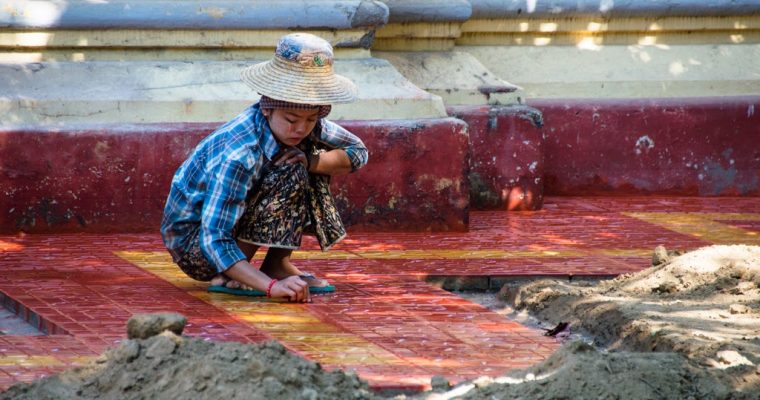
<point>172,91</point>
<point>608,70</point>
<point>458,77</point>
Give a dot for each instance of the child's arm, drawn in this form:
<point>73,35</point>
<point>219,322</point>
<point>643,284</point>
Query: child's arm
<point>349,152</point>
<point>332,162</point>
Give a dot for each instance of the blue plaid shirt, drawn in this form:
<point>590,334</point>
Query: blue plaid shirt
<point>208,192</point>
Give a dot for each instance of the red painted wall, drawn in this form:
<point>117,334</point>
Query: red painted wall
<point>507,161</point>
<point>115,178</point>
<point>103,178</point>
<point>699,146</point>
<point>415,179</point>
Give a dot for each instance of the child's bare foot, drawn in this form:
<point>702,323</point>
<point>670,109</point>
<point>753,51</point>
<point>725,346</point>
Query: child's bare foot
<point>277,265</point>
<point>221,280</point>
<point>312,280</point>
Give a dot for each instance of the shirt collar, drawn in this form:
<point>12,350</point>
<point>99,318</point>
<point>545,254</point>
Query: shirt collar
<point>266,138</point>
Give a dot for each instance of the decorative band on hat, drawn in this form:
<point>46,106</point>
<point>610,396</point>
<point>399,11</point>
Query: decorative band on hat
<point>270,103</point>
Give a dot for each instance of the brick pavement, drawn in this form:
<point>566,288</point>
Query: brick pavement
<point>385,321</point>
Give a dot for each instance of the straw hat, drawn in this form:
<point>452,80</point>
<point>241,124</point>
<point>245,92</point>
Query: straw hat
<point>301,72</point>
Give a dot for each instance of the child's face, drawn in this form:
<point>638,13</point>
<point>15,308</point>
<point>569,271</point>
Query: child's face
<point>291,126</point>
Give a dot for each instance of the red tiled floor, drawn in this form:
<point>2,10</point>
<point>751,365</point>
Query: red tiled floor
<point>384,321</point>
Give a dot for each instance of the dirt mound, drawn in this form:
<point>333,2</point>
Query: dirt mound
<point>704,305</point>
<point>168,366</point>
<point>704,272</point>
<point>578,371</point>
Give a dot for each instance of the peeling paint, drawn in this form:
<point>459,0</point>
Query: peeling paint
<point>750,111</point>
<point>188,105</point>
<point>644,143</point>
<point>443,183</point>
<point>101,150</point>
<point>480,194</point>
<point>213,12</point>
<point>718,178</point>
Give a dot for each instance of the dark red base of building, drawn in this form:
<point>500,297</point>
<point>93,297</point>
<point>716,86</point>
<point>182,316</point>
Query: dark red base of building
<point>107,178</point>
<point>507,161</point>
<point>423,175</point>
<point>694,147</point>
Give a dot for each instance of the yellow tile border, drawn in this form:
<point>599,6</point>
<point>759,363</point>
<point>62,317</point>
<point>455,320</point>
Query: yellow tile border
<point>27,361</point>
<point>622,252</point>
<point>412,254</point>
<point>291,324</point>
<point>306,333</point>
<point>704,226</point>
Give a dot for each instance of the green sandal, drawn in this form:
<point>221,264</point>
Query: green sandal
<point>259,293</point>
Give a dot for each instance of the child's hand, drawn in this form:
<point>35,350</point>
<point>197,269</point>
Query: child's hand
<point>292,287</point>
<point>291,155</point>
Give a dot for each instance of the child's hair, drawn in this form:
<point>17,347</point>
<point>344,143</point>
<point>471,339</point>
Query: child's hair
<point>270,103</point>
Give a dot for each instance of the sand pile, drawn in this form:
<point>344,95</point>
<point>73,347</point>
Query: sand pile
<point>168,366</point>
<point>578,371</point>
<point>703,305</point>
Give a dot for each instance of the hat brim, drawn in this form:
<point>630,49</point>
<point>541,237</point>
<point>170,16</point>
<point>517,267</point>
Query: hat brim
<point>295,83</point>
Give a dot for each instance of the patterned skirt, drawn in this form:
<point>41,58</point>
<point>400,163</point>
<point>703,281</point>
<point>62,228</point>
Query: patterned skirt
<point>289,203</point>
<point>285,204</point>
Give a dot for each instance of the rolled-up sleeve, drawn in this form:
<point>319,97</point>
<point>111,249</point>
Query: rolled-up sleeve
<point>338,137</point>
<point>223,206</point>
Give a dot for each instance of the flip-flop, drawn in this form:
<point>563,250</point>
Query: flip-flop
<point>238,292</point>
<point>259,293</point>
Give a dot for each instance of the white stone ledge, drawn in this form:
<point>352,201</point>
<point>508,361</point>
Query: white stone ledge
<point>635,71</point>
<point>187,14</point>
<point>403,11</point>
<point>610,8</point>
<point>153,92</point>
<point>77,39</point>
<point>458,77</point>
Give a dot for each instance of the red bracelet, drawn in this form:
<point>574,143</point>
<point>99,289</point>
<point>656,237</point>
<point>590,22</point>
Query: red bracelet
<point>269,288</point>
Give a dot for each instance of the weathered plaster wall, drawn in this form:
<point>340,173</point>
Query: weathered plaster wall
<point>685,146</point>
<point>416,179</point>
<point>116,177</point>
<point>507,162</point>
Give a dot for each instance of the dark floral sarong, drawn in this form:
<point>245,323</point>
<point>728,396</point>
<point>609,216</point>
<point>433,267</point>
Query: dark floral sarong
<point>286,203</point>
